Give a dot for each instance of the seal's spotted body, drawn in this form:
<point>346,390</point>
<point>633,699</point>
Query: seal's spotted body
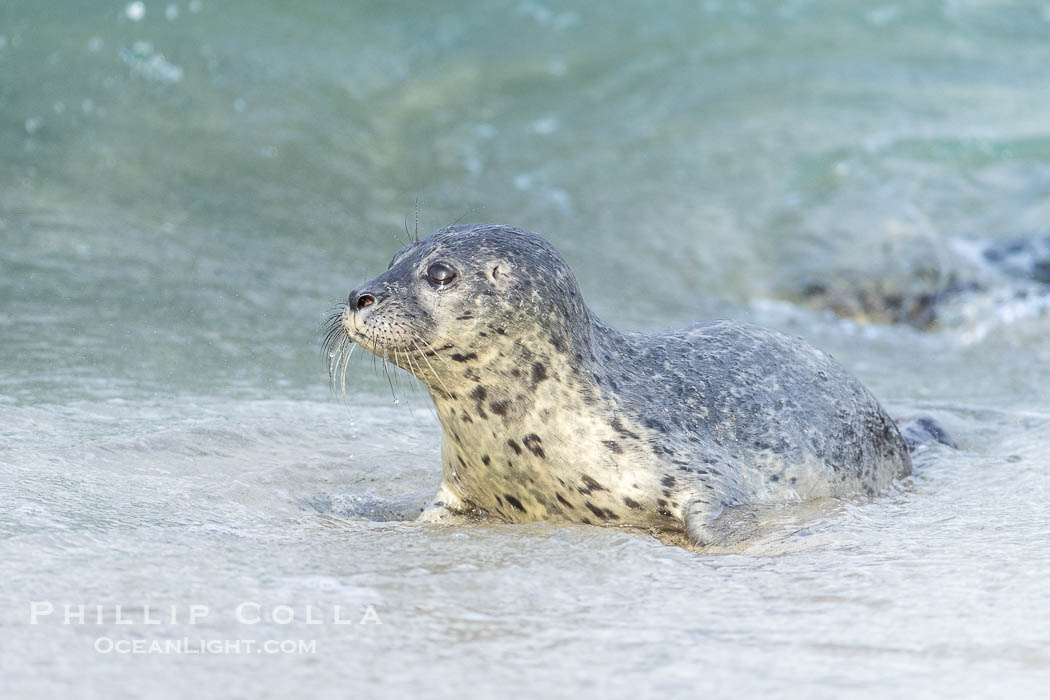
<point>549,414</point>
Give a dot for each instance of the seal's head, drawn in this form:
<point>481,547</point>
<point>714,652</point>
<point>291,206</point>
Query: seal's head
<point>461,293</point>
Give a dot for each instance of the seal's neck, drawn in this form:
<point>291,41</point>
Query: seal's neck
<point>517,384</point>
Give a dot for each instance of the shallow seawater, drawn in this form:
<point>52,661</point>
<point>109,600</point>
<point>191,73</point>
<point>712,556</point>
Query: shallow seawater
<point>187,187</point>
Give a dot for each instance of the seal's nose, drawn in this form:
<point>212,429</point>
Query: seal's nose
<point>359,300</point>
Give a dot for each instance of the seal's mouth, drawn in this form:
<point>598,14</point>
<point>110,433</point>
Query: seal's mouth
<point>405,349</point>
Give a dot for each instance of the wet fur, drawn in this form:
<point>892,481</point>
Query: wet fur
<point>549,414</point>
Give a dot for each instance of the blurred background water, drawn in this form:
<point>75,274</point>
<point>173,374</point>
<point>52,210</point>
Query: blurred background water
<point>186,187</point>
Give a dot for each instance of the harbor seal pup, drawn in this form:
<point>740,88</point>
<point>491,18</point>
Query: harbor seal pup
<point>548,413</point>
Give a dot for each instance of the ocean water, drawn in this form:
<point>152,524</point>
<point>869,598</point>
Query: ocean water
<point>187,187</point>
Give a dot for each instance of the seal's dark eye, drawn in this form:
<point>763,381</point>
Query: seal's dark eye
<point>440,273</point>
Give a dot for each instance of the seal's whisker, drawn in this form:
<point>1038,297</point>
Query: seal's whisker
<point>334,339</point>
<point>413,369</point>
<point>397,239</point>
<point>386,370</point>
<point>434,352</point>
<point>418,374</point>
<point>337,348</point>
<point>331,344</point>
<point>397,375</point>
<point>409,369</point>
<point>417,219</point>
<point>415,373</point>
<point>462,216</point>
<point>432,370</point>
<point>335,356</point>
<point>339,357</point>
<point>332,355</point>
<point>346,363</point>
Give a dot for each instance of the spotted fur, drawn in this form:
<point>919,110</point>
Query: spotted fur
<point>550,414</point>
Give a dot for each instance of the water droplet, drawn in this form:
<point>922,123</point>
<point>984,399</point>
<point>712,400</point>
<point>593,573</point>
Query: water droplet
<point>547,125</point>
<point>33,125</point>
<point>172,12</point>
<point>135,11</point>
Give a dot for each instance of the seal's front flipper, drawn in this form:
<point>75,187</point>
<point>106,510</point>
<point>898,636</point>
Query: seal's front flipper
<point>921,430</point>
<point>444,507</point>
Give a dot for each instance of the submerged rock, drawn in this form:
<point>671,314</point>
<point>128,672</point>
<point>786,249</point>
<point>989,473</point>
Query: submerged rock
<point>883,301</point>
<point>1025,258</point>
<point>987,278</point>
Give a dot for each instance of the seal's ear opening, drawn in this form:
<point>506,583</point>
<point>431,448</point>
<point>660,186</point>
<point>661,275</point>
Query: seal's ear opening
<point>499,272</point>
